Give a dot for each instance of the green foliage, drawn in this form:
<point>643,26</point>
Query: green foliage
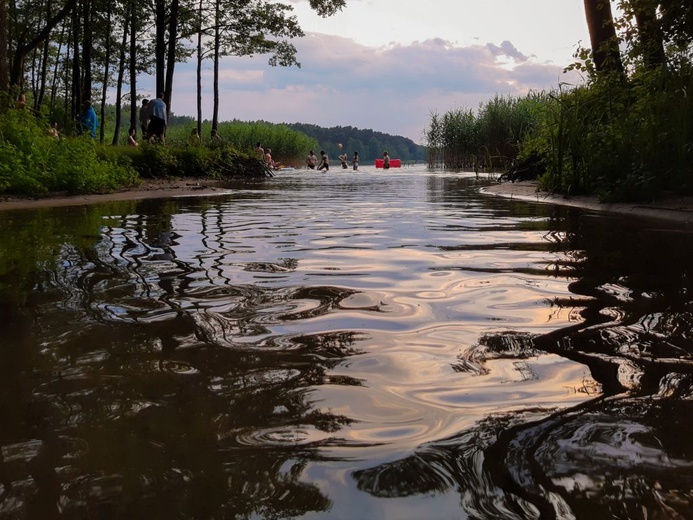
<point>491,137</point>
<point>620,141</point>
<point>210,160</point>
<point>34,163</point>
<point>288,146</point>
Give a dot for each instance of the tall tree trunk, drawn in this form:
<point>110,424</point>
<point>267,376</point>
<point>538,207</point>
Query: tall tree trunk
<point>4,51</point>
<point>106,69</point>
<point>133,64</point>
<point>160,47</point>
<point>603,40</point>
<point>67,69</point>
<point>217,57</point>
<point>44,66</point>
<point>171,58</point>
<point>199,71</point>
<point>76,74</point>
<point>649,33</point>
<point>34,74</point>
<point>54,83</point>
<point>119,85</point>
<point>87,48</point>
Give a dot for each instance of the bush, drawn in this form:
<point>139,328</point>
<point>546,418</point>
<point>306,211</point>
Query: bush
<point>32,163</point>
<point>621,141</point>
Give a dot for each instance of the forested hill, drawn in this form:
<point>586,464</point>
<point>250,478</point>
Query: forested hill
<point>368,143</point>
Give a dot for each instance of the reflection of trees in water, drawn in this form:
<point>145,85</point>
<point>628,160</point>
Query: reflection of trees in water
<point>625,454</point>
<point>609,458</point>
<point>156,390</point>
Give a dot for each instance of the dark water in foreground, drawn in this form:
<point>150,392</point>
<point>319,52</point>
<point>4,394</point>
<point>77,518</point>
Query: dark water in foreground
<point>347,346</point>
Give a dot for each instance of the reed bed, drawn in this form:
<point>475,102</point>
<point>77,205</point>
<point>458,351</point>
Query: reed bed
<point>489,139</point>
<point>288,146</point>
<point>623,140</point>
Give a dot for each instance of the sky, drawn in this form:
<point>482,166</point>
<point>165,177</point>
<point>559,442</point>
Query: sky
<point>388,65</point>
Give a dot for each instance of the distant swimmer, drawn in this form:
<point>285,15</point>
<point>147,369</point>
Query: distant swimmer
<point>311,160</point>
<point>324,161</point>
<point>386,161</point>
<point>355,161</point>
<point>344,160</point>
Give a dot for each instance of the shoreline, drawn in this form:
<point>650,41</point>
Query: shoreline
<point>147,189</point>
<point>671,207</point>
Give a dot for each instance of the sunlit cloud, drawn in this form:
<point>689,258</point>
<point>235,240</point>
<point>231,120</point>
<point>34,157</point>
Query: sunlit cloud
<point>391,88</point>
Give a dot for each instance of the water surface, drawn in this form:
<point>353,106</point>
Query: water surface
<point>344,345</point>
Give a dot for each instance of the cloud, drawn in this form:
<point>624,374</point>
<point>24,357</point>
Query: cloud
<point>391,89</point>
<point>507,49</point>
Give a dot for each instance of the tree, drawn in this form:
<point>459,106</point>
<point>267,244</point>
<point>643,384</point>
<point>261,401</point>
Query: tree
<point>4,58</point>
<point>676,23</point>
<point>31,37</point>
<point>650,36</point>
<point>243,28</point>
<point>603,39</point>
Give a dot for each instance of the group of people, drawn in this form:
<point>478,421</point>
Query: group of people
<point>312,161</point>
<point>324,164</point>
<point>266,157</point>
<point>153,119</point>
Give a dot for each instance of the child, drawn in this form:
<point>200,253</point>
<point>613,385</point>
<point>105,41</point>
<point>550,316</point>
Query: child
<point>132,138</point>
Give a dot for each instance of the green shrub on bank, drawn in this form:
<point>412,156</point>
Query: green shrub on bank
<point>32,163</point>
<point>217,161</point>
<point>288,146</point>
<point>621,141</point>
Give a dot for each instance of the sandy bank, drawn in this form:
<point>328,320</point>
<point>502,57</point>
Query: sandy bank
<point>148,189</point>
<point>670,207</point>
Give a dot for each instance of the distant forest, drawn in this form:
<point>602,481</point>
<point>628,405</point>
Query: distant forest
<point>368,143</point>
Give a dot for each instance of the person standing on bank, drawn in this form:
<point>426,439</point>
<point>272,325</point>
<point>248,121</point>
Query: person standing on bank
<point>156,128</point>
<point>144,118</point>
<point>386,161</point>
<point>324,161</point>
<point>88,120</point>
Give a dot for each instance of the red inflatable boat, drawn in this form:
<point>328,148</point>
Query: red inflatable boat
<point>394,163</point>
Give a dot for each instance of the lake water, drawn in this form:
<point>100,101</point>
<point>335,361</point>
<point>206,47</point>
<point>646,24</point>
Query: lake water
<point>345,345</point>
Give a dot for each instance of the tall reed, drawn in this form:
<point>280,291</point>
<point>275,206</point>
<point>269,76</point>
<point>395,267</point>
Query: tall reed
<point>621,141</point>
<point>490,138</point>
